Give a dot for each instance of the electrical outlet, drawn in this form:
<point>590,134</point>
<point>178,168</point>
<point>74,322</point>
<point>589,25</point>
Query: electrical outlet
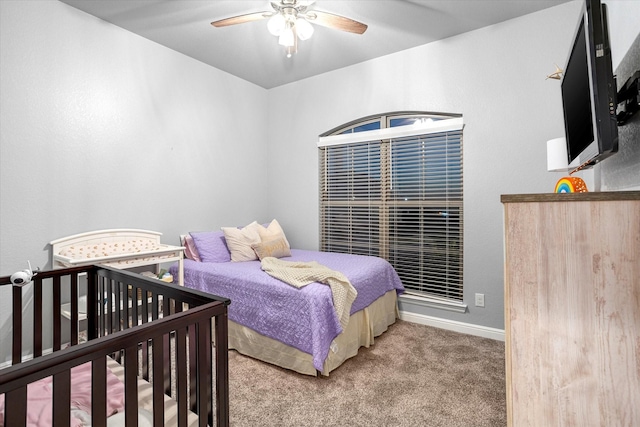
<point>479,300</point>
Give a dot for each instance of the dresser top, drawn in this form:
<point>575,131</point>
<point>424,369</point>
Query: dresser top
<point>571,197</point>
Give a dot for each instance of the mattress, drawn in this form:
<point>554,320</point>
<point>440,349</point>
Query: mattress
<point>145,403</point>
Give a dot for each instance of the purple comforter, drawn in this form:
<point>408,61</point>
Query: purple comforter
<point>302,318</point>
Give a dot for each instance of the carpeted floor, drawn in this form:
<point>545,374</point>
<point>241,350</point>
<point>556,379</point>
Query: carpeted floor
<point>414,375</point>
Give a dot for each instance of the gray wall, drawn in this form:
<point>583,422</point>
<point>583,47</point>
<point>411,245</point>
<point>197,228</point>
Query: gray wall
<point>495,77</point>
<point>103,129</point>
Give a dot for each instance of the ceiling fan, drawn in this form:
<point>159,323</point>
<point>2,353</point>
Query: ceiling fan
<point>291,19</point>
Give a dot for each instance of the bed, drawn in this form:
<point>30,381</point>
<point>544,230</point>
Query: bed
<point>118,248</point>
<point>296,329</point>
<point>143,351</point>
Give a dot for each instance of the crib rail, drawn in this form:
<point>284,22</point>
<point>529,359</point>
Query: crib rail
<point>139,322</point>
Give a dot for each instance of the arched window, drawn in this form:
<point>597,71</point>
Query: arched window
<point>391,186</point>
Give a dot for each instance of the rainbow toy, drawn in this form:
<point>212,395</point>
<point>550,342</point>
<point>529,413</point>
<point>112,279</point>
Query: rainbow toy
<point>570,184</point>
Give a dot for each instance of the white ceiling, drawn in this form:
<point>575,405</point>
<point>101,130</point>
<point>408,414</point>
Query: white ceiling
<point>250,52</point>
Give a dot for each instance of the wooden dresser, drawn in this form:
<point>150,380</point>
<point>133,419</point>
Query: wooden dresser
<point>572,309</point>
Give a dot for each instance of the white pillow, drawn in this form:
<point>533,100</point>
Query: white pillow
<point>239,241</point>
<point>272,232</point>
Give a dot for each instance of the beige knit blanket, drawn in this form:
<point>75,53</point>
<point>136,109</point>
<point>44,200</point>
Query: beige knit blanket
<point>300,274</point>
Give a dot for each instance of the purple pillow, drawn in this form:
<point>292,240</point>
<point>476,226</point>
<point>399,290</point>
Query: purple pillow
<point>211,246</point>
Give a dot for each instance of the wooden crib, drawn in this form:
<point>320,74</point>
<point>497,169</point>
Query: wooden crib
<point>157,337</point>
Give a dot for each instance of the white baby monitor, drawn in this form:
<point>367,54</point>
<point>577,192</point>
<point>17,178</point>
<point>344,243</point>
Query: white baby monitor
<point>23,277</point>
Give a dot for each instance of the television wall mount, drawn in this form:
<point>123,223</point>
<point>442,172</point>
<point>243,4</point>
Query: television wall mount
<point>628,99</point>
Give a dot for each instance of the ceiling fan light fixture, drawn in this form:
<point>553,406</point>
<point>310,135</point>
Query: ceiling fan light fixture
<point>287,38</point>
<point>291,20</point>
<point>276,24</point>
<point>304,29</point>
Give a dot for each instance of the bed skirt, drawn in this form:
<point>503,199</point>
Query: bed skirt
<point>363,327</point>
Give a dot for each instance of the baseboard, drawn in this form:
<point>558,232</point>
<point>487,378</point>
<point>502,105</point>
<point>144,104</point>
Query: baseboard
<point>452,325</point>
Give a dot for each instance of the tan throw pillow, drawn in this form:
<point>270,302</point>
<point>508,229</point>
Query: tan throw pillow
<point>273,231</point>
<point>239,241</point>
<point>276,248</point>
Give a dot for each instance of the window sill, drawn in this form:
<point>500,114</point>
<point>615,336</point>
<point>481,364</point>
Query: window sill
<point>433,302</point>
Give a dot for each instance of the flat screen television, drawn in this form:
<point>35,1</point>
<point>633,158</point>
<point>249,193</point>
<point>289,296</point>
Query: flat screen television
<point>589,91</point>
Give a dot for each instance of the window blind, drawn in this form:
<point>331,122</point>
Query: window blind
<point>401,199</point>
<point>351,198</point>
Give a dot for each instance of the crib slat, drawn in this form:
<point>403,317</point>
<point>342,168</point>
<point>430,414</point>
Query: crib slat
<point>124,297</point>
<point>126,309</point>
<point>204,379</point>
<point>15,405</point>
<point>166,343</point>
<point>92,306</point>
<point>154,306</point>
<point>117,315</point>
<point>144,365</point>
<point>16,344</point>
<point>100,313</point>
<point>158,381</point>
<point>181,376</point>
<point>75,322</point>
<point>99,392</point>
<point>104,289</point>
<point>145,346</point>
<point>57,320</point>
<point>222,370</point>
<point>62,398</point>
<point>108,307</point>
<point>37,317</point>
<point>193,372</point>
<point>131,386</point>
<point>134,306</point>
<point>166,306</point>
<point>145,306</point>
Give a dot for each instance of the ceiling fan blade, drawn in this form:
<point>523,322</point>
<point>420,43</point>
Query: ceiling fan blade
<point>304,4</point>
<point>336,21</point>
<point>241,19</point>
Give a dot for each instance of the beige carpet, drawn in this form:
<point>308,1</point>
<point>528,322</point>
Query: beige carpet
<point>413,376</point>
